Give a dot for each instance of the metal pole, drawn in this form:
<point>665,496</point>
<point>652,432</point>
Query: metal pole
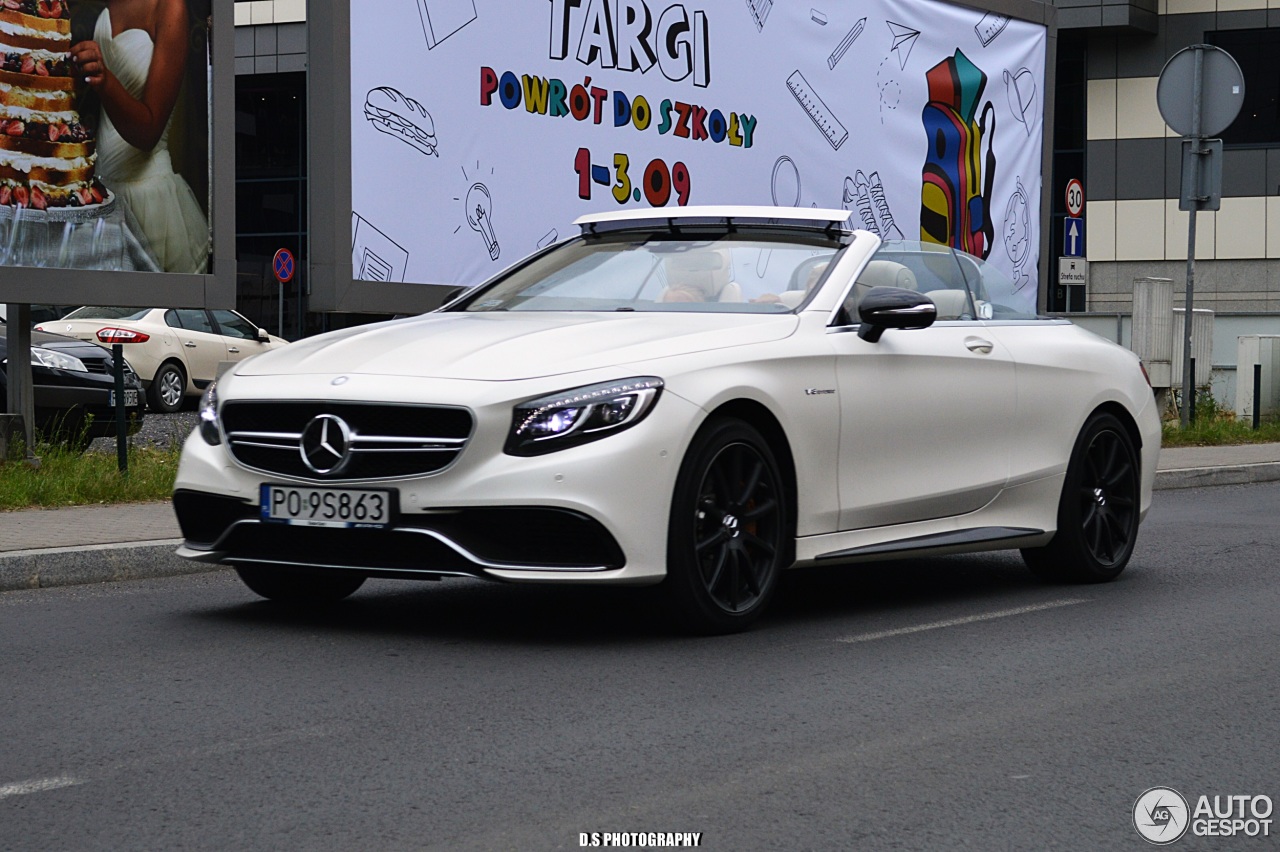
<point>1257,394</point>
<point>21,394</point>
<point>1193,398</point>
<point>1197,88</point>
<point>122,434</point>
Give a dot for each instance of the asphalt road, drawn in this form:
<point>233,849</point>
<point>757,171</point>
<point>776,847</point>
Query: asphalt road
<point>942,704</point>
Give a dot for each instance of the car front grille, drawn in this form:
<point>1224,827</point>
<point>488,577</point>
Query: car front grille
<point>386,441</point>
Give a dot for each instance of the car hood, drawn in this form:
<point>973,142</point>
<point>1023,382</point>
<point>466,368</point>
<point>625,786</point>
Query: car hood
<point>519,345</point>
<point>67,345</point>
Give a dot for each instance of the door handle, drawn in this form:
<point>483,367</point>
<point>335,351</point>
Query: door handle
<point>233,350</point>
<point>977,344</point>
<point>189,345</point>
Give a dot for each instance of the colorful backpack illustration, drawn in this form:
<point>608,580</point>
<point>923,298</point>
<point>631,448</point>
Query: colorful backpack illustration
<point>955,199</point>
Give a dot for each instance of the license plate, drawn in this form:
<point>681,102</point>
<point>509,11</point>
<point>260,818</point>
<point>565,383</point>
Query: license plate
<point>326,507</point>
<point>130,398</point>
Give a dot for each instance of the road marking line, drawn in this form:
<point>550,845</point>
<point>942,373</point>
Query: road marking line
<point>38,785</point>
<point>955,622</point>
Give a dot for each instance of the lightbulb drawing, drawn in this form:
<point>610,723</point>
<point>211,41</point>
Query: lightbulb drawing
<point>480,217</point>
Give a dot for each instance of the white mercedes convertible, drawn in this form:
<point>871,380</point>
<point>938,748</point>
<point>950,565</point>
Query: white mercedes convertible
<point>700,399</point>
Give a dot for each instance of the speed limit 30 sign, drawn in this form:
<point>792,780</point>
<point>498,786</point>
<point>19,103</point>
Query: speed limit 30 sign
<point>1075,198</point>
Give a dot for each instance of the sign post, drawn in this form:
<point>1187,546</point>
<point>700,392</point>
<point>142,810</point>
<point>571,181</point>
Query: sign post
<point>1199,94</point>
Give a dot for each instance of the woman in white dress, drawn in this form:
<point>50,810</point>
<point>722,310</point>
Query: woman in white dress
<point>136,63</point>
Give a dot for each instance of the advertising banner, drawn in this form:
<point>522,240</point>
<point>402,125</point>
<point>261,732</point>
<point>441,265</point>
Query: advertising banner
<point>480,129</point>
<point>104,135</point>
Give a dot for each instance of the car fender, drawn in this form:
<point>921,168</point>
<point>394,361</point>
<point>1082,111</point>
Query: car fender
<point>798,390</point>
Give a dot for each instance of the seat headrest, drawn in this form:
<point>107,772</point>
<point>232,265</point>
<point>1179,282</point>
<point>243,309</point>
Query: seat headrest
<point>696,276</point>
<point>887,273</point>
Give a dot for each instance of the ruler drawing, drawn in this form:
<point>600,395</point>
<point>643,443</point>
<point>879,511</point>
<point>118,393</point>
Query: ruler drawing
<point>817,110</point>
<point>838,53</point>
<point>991,25</point>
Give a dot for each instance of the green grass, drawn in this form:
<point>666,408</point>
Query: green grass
<point>1215,426</point>
<point>66,478</point>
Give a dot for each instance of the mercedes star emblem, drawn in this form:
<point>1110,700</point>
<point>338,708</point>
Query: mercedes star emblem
<point>326,444</point>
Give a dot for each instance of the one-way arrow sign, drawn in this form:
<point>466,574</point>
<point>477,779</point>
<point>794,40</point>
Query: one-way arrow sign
<point>1073,237</point>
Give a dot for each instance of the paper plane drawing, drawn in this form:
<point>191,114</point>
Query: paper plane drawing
<point>904,38</point>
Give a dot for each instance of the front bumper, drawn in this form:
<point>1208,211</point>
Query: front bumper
<point>70,408</point>
<point>447,542</point>
<point>592,513</point>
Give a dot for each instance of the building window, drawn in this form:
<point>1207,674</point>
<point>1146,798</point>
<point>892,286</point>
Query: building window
<point>1068,158</point>
<point>1255,52</point>
<point>271,198</point>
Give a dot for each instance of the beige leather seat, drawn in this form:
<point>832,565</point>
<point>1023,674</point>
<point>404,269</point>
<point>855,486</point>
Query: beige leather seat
<point>879,273</point>
<point>792,298</point>
<point>700,276</point>
<point>952,304</point>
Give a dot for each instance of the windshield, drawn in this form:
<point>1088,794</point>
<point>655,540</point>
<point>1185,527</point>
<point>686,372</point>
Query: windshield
<point>629,271</point>
<point>95,312</point>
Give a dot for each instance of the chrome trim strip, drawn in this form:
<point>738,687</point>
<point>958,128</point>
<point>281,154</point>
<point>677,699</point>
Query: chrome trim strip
<point>438,536</point>
<point>355,449</point>
<point>279,436</point>
<point>358,438</point>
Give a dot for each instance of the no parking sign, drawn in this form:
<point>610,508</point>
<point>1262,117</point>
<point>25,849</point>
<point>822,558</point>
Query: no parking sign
<point>283,266</point>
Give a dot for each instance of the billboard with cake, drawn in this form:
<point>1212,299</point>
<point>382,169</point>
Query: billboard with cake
<point>479,130</point>
<point>105,138</point>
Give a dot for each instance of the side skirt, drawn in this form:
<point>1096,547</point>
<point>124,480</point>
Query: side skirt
<point>955,538</point>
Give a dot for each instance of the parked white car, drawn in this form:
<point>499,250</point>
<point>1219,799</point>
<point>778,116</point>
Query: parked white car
<point>699,398</point>
<point>175,351</point>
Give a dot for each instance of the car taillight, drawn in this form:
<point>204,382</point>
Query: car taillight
<point>1145,374</point>
<point>122,335</point>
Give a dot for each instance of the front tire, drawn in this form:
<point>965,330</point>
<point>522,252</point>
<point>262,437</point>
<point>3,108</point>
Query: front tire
<point>1099,510</point>
<point>728,533</point>
<point>300,585</point>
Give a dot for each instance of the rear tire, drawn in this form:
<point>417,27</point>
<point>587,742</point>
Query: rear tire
<point>299,585</point>
<point>1099,510</point>
<point>168,388</point>
<point>728,534</point>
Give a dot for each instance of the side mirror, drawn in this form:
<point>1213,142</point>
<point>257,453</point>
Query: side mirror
<point>263,337</point>
<point>893,307</point>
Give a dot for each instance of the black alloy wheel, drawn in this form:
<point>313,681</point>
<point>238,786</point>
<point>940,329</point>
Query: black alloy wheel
<point>728,531</point>
<point>300,585</point>
<point>1099,513</point>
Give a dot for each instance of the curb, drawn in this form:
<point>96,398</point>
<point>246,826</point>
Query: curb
<point>1198,477</point>
<point>100,563</point>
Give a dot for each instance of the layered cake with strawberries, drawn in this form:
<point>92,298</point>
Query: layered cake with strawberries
<point>47,156</point>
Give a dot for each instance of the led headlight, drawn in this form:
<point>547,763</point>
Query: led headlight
<point>209,415</point>
<point>579,415</point>
<point>41,357</point>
